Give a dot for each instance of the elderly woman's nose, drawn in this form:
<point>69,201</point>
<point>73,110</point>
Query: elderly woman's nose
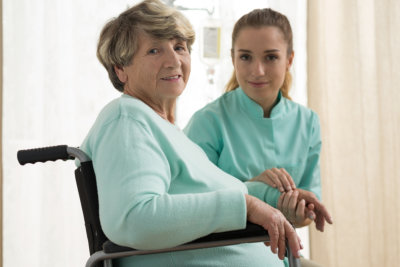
<point>172,59</point>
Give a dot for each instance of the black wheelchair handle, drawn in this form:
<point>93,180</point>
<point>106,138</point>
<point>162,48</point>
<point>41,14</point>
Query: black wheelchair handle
<point>43,154</point>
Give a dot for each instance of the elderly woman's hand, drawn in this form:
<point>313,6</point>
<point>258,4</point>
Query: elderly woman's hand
<point>321,213</point>
<point>279,229</point>
<point>294,210</point>
<point>277,178</point>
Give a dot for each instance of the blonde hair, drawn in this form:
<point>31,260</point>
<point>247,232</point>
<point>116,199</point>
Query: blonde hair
<point>118,40</point>
<point>256,19</point>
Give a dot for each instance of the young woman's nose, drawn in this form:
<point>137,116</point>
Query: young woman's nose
<point>257,68</point>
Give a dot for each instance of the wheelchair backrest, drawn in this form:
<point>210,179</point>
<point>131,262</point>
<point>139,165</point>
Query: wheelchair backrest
<point>87,188</point>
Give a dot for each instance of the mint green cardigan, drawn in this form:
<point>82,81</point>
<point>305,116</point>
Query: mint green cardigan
<point>158,189</point>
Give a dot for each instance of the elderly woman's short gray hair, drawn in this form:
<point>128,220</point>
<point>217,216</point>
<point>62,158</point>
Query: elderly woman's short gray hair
<point>119,38</point>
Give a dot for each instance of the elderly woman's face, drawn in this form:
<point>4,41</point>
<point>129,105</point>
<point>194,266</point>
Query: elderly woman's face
<point>159,71</point>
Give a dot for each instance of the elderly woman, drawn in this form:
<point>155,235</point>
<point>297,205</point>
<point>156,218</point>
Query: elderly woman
<point>157,188</point>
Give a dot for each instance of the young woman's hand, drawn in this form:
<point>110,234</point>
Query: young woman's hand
<point>295,211</point>
<point>272,220</point>
<point>321,213</point>
<point>277,178</point>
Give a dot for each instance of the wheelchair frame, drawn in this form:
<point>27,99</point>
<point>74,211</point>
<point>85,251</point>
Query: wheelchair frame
<point>103,250</point>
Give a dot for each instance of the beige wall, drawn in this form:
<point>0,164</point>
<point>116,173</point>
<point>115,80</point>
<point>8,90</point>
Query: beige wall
<point>354,85</point>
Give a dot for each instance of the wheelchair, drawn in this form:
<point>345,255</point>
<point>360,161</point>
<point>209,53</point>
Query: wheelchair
<point>103,251</point>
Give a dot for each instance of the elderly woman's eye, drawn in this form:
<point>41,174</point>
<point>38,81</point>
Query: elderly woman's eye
<point>180,48</point>
<point>153,51</point>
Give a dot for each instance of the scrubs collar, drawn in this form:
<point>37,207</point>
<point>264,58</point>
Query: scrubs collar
<point>255,110</point>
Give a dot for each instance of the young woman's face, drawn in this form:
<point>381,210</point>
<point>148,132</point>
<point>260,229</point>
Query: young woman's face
<point>260,60</point>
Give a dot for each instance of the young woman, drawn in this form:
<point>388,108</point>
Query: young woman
<point>255,132</point>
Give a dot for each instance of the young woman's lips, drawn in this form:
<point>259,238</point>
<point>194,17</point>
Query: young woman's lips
<point>258,84</point>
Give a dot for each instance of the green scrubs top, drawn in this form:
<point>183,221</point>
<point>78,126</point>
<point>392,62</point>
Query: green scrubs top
<point>238,139</point>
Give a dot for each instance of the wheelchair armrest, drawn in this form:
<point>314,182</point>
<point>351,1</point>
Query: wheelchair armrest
<point>110,247</point>
<point>250,233</point>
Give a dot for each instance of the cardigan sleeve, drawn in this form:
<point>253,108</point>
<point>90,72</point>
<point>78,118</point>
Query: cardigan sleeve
<point>136,209</point>
<point>264,192</point>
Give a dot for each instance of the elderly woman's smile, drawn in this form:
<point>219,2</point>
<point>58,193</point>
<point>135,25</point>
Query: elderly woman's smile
<point>172,78</point>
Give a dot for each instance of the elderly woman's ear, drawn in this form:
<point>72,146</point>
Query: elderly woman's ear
<point>122,76</point>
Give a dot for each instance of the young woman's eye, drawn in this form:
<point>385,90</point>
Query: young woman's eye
<point>272,57</point>
<point>244,57</point>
